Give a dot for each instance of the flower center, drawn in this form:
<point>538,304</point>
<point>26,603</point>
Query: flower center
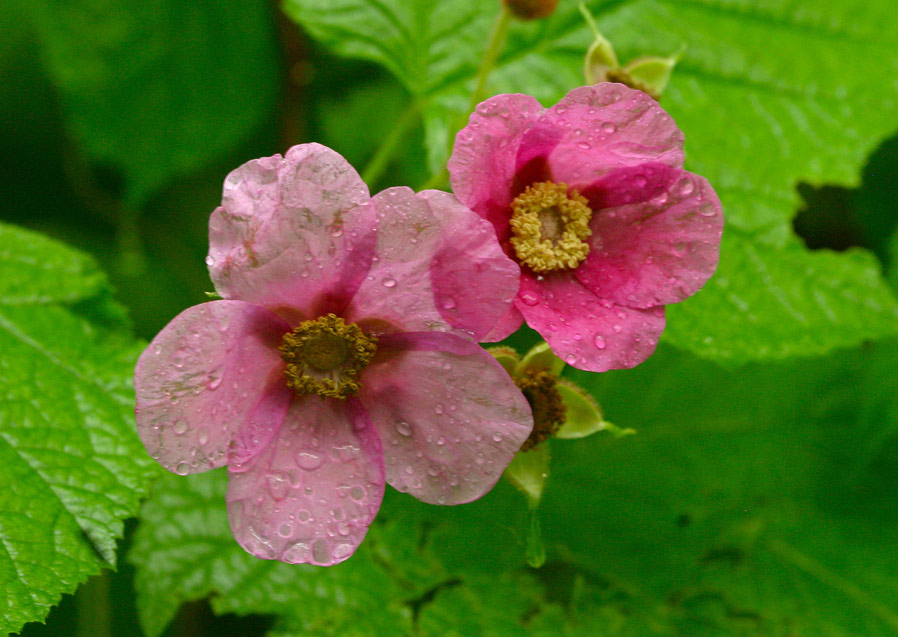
<point>549,412</point>
<point>549,225</point>
<point>326,356</point>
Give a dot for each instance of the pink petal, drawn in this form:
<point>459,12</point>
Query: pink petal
<point>312,493</point>
<point>290,234</point>
<point>473,281</point>
<point>587,332</point>
<point>438,266</point>
<point>209,377</point>
<point>506,326</point>
<point>657,252</point>
<point>482,167</point>
<point>450,417</point>
<point>596,129</point>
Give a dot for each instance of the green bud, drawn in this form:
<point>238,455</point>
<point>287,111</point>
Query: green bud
<point>651,74</point>
<point>583,416</point>
<point>540,358</point>
<point>528,472</point>
<point>600,57</point>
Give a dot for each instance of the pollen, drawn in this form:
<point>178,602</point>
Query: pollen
<point>549,225</point>
<point>325,357</point>
<point>540,388</point>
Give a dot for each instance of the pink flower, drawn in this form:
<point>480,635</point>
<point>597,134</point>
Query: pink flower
<point>590,197</point>
<point>337,359</point>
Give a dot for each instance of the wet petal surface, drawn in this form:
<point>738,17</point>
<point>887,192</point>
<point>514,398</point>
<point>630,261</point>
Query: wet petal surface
<point>310,496</point>
<point>291,233</point>
<point>449,416</point>
<point>211,376</point>
<point>483,163</point>
<point>658,252</point>
<point>584,331</point>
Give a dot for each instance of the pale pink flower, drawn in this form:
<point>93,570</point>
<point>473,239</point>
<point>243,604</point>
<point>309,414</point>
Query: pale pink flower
<point>590,197</point>
<point>370,303</point>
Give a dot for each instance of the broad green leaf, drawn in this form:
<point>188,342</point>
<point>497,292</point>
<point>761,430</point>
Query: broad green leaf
<point>71,465</point>
<point>158,88</point>
<point>759,515</point>
<point>774,303</point>
<point>762,95</point>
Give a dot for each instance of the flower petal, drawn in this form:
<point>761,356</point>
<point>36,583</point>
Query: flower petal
<point>450,417</point>
<point>506,326</point>
<point>312,493</point>
<point>438,266</point>
<point>291,233</point>
<point>474,283</point>
<point>482,166</point>
<point>595,129</point>
<point>212,372</point>
<point>658,252</point>
<point>587,332</point>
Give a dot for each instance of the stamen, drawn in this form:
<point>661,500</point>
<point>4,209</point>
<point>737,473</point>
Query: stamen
<point>549,225</point>
<point>326,356</point>
<point>549,411</point>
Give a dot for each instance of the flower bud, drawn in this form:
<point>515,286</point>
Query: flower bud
<point>531,9</point>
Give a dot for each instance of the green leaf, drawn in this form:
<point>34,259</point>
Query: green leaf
<point>774,303</point>
<point>71,465</point>
<point>158,88</point>
<point>758,516</point>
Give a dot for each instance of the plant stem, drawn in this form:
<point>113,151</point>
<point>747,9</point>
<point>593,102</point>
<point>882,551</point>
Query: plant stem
<point>94,611</point>
<point>381,159</point>
<point>497,39</point>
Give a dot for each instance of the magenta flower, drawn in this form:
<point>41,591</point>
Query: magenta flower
<point>341,357</point>
<point>590,197</point>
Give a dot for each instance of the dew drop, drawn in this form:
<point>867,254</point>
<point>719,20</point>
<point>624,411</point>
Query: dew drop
<point>389,282</point>
<point>320,551</point>
<point>570,359</point>
<point>336,231</point>
<point>303,516</point>
<point>686,187</point>
<point>213,382</point>
<point>308,460</point>
<point>439,409</point>
<point>448,303</point>
<point>403,428</point>
<point>584,145</point>
<point>617,329</point>
<point>210,261</point>
<point>296,553</point>
<point>285,529</point>
<point>497,437</point>
<point>182,469</point>
<point>278,485</point>
<point>342,550</point>
<point>599,341</point>
<point>608,127</point>
<point>357,493</point>
<point>529,299</point>
<point>180,427</point>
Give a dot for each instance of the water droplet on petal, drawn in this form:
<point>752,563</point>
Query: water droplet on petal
<point>599,341</point>
<point>528,298</point>
<point>389,282</point>
<point>448,303</point>
<point>320,551</point>
<point>608,127</point>
<point>308,460</point>
<point>356,493</point>
<point>182,469</point>
<point>285,529</point>
<point>180,427</point>
<point>617,329</point>
<point>686,187</point>
<point>278,485</point>
<point>403,428</point>
<point>336,230</point>
<point>296,553</point>
<point>210,261</point>
<point>439,409</point>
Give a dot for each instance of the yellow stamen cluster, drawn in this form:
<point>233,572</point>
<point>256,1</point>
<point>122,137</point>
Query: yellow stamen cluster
<point>325,356</point>
<point>549,225</point>
<point>549,411</point>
